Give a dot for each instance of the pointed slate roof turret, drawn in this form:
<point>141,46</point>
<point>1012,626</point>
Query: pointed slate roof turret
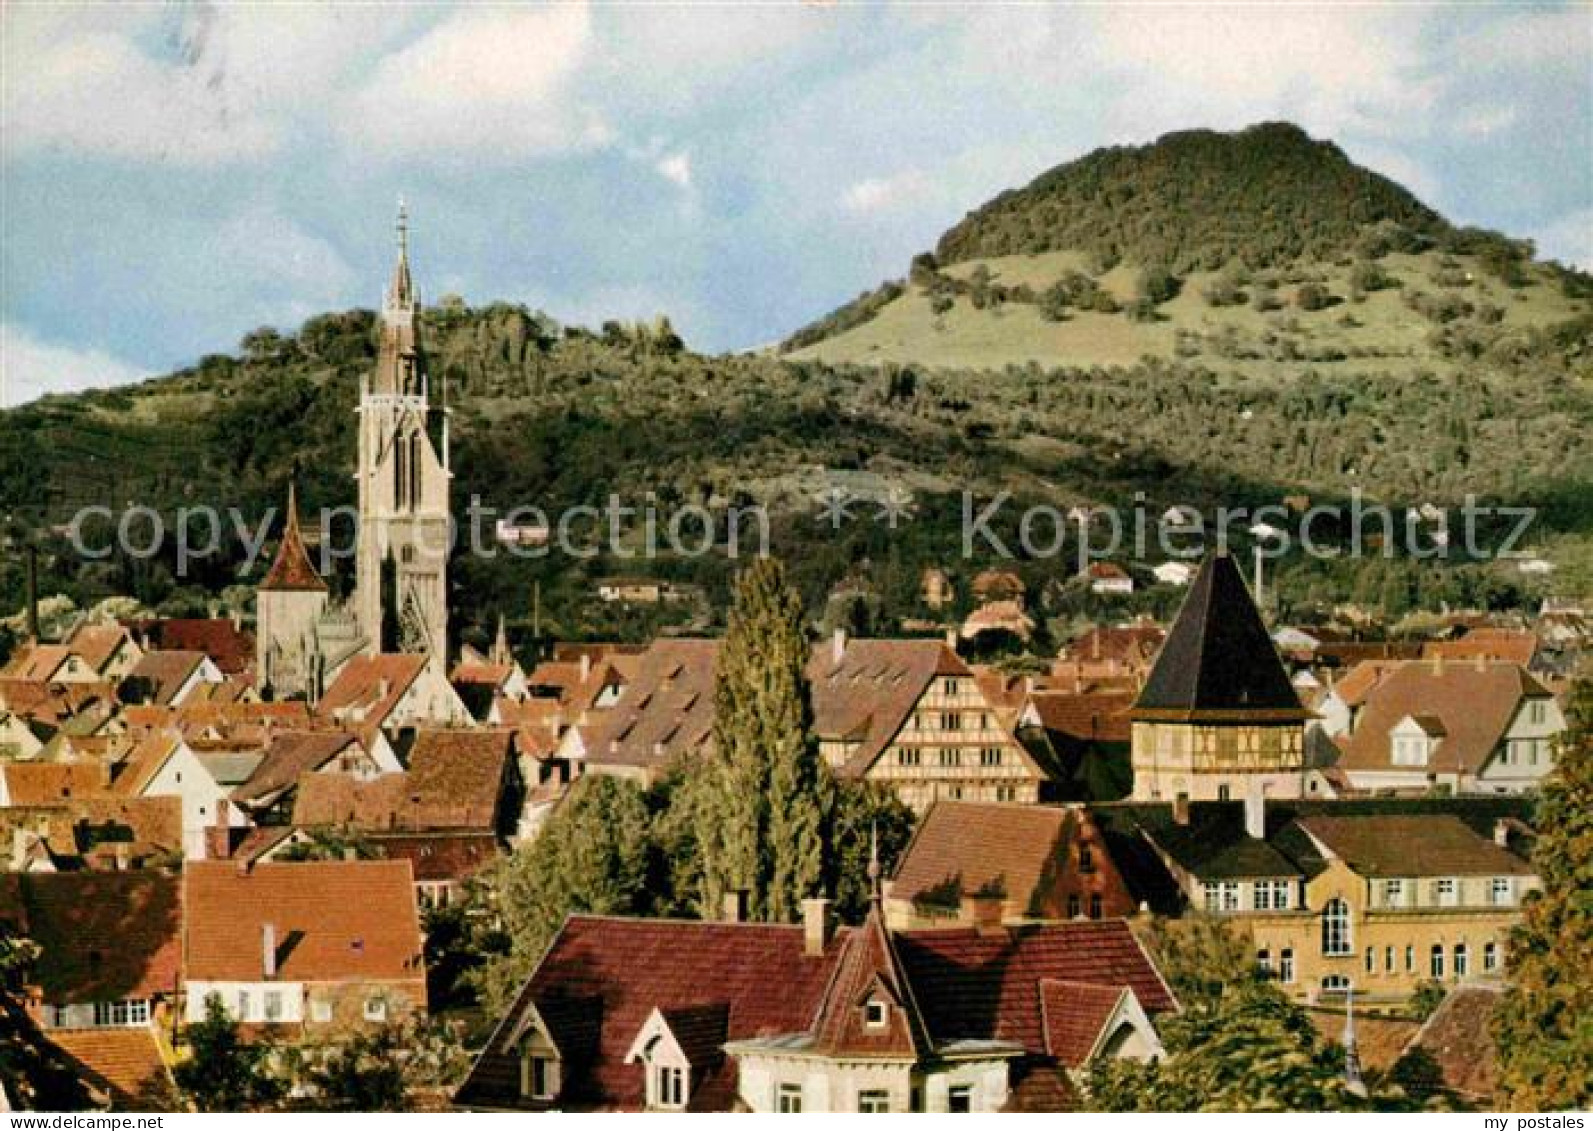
<point>292,569</point>
<point>869,1010</point>
<point>1218,663</point>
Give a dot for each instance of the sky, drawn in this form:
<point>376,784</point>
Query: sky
<point>173,175</point>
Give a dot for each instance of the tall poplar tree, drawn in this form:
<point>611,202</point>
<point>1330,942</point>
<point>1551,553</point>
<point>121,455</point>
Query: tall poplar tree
<point>761,814</point>
<point>1543,1027</point>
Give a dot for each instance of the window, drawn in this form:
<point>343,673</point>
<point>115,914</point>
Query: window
<point>1490,957</point>
<point>273,1005</point>
<point>950,757</point>
<point>1210,891</point>
<point>990,756</point>
<point>960,1098</point>
<point>1086,858</point>
<point>243,1006</point>
<point>874,1101</point>
<point>375,1009</point>
<point>1371,960</point>
<point>539,1076</point>
<point>875,1014</point>
<point>669,1083</point>
<point>1410,751</point>
<point>1393,893</point>
<point>1272,895</point>
<point>1223,793</point>
<point>1264,962</point>
<point>1499,890</point>
<point>1286,964</point>
<point>1388,960</point>
<point>1410,960</point>
<point>1462,960</point>
<point>907,756</point>
<point>950,687</point>
<point>1446,893</point>
<point>1073,907</point>
<point>1335,984</point>
<point>951,720</point>
<point>1230,895</point>
<point>1006,793</point>
<point>320,1010</point>
<point>1436,969</point>
<point>1095,907</point>
<point>788,1101</point>
<point>120,1013</point>
<point>1336,927</point>
<point>1537,711</point>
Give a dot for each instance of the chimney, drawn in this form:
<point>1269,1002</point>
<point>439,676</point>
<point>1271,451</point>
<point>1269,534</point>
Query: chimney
<point>1501,833</point>
<point>983,911</point>
<point>838,646</point>
<point>951,639</point>
<point>735,907</point>
<point>237,621</point>
<point>818,926</point>
<point>223,813</point>
<point>1482,662</point>
<point>1256,809</point>
<point>122,858</point>
<point>268,950</point>
<point>1438,662</point>
<point>586,666</point>
<point>1181,809</point>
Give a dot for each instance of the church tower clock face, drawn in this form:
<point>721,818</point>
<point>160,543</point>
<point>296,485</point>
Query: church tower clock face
<point>403,484</point>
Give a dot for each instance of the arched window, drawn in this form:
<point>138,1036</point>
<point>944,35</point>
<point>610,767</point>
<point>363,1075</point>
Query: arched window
<point>1336,927</point>
<point>1462,960</point>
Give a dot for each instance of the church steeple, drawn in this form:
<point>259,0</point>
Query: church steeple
<point>401,291</point>
<point>292,569</point>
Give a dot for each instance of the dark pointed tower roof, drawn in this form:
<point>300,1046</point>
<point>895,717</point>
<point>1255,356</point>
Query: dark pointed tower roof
<point>869,969</point>
<point>1218,662</point>
<point>292,569</point>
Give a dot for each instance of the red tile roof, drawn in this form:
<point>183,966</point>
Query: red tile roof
<point>369,687</point>
<point>54,783</point>
<point>1475,703</point>
<point>666,710</point>
<point>985,984</point>
<point>1074,1015</point>
<point>230,646</point>
<point>1459,1036</point>
<point>123,1067</point>
<point>345,920</point>
<point>440,856</point>
<point>868,696</point>
<point>967,985</point>
<point>103,936</point>
<point>292,569</point>
<point>625,968</point>
<point>869,970</point>
<point>291,754</point>
<point>1100,716</point>
<point>98,643</point>
<point>454,781</point>
<point>166,672</point>
<point>1031,855</point>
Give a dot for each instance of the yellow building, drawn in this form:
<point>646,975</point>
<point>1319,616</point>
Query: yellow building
<point>1378,895</point>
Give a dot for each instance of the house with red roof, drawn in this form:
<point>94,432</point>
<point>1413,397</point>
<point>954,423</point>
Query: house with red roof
<point>391,692</point>
<point>675,1015</point>
<point>302,946</point>
<point>109,944</point>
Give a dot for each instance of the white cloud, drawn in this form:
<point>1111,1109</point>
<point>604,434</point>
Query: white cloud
<point>676,168</point>
<point>877,194</point>
<point>1484,121</point>
<point>30,368</point>
<point>495,82</point>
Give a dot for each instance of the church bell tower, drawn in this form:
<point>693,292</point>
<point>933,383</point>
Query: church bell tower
<point>401,575</point>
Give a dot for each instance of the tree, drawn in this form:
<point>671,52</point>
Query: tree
<point>760,822</point>
<point>592,856</point>
<point>222,1072</point>
<point>864,814</point>
<point>1543,1025</point>
<point>1238,1045</point>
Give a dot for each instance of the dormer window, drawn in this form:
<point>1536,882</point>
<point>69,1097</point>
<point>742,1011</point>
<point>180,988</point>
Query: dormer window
<point>539,1073</point>
<point>876,1014</point>
<point>1412,740</point>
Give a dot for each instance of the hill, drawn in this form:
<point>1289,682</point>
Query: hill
<point>1259,251</point>
<point>1411,374</point>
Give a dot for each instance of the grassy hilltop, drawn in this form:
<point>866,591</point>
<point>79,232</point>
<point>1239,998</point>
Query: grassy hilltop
<point>1215,319</point>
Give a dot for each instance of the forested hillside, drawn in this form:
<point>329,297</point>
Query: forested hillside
<point>1415,363</point>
